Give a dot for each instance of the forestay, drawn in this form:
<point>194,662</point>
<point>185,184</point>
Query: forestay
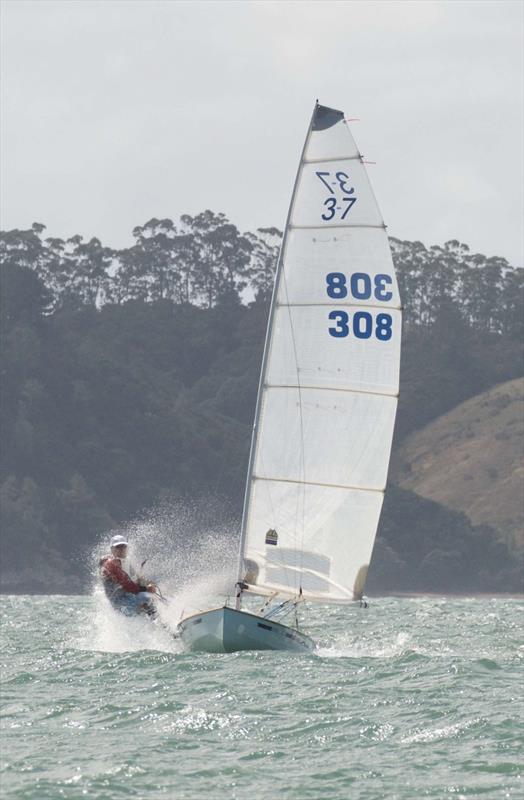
<point>329,383</point>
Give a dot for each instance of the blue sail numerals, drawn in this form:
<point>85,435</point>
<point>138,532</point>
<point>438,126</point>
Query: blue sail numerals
<point>336,285</point>
<point>341,329</point>
<point>340,184</point>
<point>360,287</point>
<point>384,323</point>
<point>361,325</point>
<point>381,293</point>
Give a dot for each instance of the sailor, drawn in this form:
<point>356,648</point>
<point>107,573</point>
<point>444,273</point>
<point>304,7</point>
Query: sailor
<point>124,592</point>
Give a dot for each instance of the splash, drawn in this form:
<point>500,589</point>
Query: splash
<point>107,631</point>
<point>189,551</point>
<point>368,648</point>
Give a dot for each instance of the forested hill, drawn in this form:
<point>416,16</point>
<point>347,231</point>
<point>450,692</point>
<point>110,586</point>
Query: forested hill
<point>471,459</point>
<point>129,376</point>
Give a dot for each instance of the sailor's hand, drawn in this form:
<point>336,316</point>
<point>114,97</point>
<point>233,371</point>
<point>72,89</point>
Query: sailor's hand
<point>152,588</point>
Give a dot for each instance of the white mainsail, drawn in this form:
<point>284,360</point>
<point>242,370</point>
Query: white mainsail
<point>329,383</point>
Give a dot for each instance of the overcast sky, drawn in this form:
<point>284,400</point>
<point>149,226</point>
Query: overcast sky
<point>117,111</point>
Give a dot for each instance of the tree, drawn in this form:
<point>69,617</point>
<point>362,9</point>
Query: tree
<point>159,266</point>
<point>89,263</point>
<point>222,257</point>
<point>24,298</point>
<point>132,375</point>
<point>23,527</point>
<point>511,304</point>
<point>265,247</point>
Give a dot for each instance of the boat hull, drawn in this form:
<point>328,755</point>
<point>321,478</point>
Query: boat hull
<point>226,630</point>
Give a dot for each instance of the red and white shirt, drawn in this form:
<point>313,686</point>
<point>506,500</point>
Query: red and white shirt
<point>114,575</point>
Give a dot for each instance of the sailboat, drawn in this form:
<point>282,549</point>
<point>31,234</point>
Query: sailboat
<point>326,405</point>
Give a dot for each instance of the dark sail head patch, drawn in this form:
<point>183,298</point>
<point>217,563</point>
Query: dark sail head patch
<point>325,117</point>
<point>271,536</point>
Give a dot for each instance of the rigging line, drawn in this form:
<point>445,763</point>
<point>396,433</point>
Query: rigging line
<point>267,344</point>
<point>301,418</point>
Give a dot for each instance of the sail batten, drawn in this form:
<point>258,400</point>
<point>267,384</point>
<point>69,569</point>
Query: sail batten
<point>329,385</point>
<point>342,304</point>
<point>358,157</point>
<point>317,483</point>
<point>328,389</point>
<point>334,226</point>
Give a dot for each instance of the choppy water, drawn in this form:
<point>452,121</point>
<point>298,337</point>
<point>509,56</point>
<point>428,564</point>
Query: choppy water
<point>411,698</point>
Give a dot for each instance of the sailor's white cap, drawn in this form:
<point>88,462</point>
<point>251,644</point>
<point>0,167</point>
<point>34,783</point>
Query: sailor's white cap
<point>118,539</point>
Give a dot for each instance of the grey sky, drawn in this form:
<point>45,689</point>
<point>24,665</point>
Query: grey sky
<point>114,112</point>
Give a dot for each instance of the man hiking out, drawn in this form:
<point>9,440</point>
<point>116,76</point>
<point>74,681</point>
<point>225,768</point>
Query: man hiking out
<point>123,588</point>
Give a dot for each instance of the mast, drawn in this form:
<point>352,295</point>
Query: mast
<point>267,342</point>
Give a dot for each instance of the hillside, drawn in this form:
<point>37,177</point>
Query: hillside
<point>471,460</point>
<point>129,380</point>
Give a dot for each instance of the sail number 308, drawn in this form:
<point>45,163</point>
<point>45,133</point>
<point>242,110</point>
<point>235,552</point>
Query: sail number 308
<point>361,323</point>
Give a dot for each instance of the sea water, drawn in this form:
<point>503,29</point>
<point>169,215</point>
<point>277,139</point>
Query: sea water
<point>409,698</point>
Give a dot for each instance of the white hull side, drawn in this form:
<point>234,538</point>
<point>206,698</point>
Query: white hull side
<point>226,630</point>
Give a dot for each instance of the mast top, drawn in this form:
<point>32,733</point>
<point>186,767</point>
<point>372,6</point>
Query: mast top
<point>325,117</point>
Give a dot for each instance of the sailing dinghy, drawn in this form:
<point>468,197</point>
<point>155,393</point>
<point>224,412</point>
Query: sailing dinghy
<point>326,405</point>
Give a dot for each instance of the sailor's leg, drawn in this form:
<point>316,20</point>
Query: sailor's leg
<point>128,603</point>
<point>146,604</point>
<point>132,604</point>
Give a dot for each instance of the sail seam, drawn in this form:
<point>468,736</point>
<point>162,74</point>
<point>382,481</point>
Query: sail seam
<point>330,227</point>
<point>340,305</point>
<point>318,483</point>
<point>329,389</point>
